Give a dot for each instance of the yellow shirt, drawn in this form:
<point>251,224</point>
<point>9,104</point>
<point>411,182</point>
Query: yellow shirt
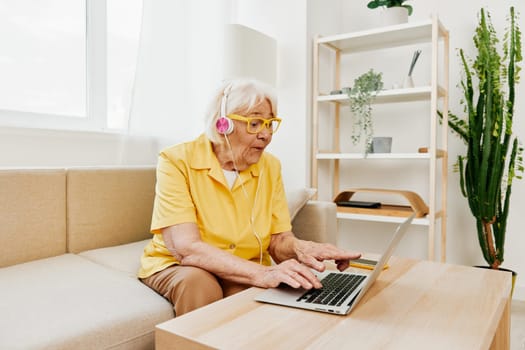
<point>191,187</point>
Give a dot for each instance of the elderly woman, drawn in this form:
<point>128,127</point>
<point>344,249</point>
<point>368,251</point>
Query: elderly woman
<point>220,210</point>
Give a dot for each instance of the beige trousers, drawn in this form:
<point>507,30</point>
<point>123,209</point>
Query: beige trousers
<point>188,287</point>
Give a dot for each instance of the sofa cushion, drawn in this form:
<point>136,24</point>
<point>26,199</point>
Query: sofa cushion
<point>108,206</point>
<point>317,221</point>
<point>33,214</point>
<point>297,199</point>
<point>69,302</point>
<point>124,258</point>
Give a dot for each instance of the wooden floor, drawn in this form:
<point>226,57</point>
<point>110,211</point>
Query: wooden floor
<point>517,330</point>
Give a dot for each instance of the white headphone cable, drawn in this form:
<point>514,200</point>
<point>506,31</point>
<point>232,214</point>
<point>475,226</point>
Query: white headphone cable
<point>252,218</point>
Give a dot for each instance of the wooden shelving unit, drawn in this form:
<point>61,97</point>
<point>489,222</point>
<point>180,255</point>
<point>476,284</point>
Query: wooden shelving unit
<point>428,31</point>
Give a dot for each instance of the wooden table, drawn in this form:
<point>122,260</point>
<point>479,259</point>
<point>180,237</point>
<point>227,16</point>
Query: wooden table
<point>413,305</point>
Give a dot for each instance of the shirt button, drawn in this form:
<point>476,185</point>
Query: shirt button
<point>232,246</point>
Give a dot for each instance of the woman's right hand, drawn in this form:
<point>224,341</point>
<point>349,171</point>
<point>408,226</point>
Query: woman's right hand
<point>290,272</point>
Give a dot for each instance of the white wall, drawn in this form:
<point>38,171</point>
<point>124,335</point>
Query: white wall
<point>460,17</point>
<point>286,22</point>
<point>20,147</point>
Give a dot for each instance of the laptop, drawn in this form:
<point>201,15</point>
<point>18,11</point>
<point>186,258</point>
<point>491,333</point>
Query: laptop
<point>341,291</point>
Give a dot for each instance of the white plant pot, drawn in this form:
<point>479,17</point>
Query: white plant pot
<point>393,15</point>
<point>385,17</point>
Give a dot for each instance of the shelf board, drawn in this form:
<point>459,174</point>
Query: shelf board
<point>381,218</point>
<point>420,93</point>
<point>373,156</point>
<point>380,38</point>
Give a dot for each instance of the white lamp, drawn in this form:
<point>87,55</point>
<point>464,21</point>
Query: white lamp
<point>249,54</point>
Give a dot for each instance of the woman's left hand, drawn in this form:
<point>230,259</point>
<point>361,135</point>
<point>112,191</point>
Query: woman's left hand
<point>313,254</point>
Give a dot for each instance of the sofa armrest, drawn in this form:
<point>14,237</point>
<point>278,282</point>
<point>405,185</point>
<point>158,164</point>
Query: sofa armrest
<point>316,221</point>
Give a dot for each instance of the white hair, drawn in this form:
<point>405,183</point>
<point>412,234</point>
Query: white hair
<point>241,96</point>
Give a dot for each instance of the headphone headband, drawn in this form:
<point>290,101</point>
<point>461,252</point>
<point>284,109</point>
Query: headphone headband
<point>224,125</point>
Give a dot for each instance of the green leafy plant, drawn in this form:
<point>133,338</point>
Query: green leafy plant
<point>365,88</point>
<point>494,155</point>
<point>390,3</point>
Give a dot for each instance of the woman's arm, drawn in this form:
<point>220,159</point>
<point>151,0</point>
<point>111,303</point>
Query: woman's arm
<point>184,242</point>
<point>285,245</point>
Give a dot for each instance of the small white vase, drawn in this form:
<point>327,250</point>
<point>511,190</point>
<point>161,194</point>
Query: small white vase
<point>394,15</point>
<point>384,16</point>
<point>381,145</point>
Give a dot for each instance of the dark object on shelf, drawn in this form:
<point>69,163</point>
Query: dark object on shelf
<point>336,92</point>
<point>413,63</point>
<point>358,204</point>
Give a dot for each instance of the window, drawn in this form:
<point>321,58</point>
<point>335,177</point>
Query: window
<point>68,63</point>
<point>124,19</point>
<point>43,57</point>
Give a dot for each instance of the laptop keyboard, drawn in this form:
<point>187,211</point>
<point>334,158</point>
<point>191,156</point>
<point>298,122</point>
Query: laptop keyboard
<point>336,288</point>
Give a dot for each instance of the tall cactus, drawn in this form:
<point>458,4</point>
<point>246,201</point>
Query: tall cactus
<point>494,155</point>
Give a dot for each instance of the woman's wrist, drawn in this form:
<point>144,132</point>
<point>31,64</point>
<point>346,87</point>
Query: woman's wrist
<point>297,248</point>
<point>258,277</point>
<point>283,246</point>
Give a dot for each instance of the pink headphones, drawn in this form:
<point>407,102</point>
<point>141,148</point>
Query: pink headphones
<point>224,124</point>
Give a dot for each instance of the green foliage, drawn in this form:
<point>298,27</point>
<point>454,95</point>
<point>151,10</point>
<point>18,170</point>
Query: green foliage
<point>494,155</point>
<point>390,3</point>
<point>361,95</point>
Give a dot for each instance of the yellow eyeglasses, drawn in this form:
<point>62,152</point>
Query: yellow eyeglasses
<point>256,125</point>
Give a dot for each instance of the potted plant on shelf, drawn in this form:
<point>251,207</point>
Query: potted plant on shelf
<point>390,4</point>
<point>394,11</point>
<point>365,88</point>
<point>494,155</point>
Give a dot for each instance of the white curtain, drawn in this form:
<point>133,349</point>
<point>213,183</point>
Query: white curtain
<point>179,65</point>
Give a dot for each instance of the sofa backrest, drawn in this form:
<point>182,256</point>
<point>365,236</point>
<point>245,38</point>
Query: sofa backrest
<point>48,212</point>
<point>108,206</point>
<point>32,214</point>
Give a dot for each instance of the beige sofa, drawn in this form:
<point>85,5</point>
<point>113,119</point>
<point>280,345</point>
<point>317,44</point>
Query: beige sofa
<point>71,240</point>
